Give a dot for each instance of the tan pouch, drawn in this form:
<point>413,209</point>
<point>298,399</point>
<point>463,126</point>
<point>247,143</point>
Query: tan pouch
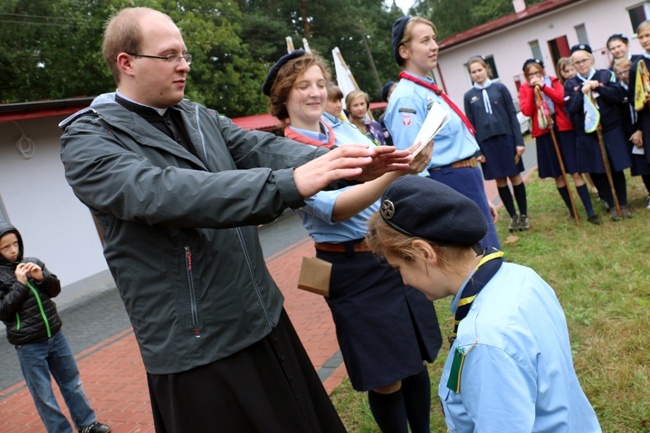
<point>315,276</point>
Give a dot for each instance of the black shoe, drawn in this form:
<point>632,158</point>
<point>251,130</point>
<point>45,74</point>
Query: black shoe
<point>95,427</point>
<point>594,219</point>
<point>613,215</point>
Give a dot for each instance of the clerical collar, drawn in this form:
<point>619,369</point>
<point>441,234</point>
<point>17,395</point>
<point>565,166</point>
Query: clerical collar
<point>160,111</point>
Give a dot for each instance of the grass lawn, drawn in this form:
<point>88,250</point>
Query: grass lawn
<point>601,275</point>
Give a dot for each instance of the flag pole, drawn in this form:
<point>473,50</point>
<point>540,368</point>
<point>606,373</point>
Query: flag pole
<point>290,47</point>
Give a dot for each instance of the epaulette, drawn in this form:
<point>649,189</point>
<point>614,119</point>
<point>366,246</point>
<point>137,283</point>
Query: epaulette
<point>88,111</point>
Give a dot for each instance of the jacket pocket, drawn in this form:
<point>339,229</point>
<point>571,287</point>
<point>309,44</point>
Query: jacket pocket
<point>194,310</point>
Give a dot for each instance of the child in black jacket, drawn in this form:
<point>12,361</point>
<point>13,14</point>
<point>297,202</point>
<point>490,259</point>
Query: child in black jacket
<point>33,327</point>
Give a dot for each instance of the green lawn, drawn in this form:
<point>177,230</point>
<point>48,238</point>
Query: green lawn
<point>601,275</point>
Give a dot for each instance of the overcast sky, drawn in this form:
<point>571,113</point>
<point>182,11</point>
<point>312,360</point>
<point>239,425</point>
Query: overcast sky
<point>403,4</point>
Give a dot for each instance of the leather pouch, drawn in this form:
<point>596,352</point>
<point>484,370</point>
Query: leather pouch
<point>315,276</point>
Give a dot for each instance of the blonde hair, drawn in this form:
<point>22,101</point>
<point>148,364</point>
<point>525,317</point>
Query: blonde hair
<point>482,61</point>
<point>123,34</point>
<point>349,99</point>
<point>407,36</point>
<point>385,241</point>
<point>642,26</point>
<point>587,53</point>
<point>623,64</point>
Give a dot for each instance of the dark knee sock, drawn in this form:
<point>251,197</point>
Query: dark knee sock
<point>620,186</point>
<point>564,193</point>
<point>389,411</point>
<point>604,191</point>
<point>416,390</point>
<point>646,182</point>
<point>583,192</point>
<point>506,199</point>
<point>520,196</point>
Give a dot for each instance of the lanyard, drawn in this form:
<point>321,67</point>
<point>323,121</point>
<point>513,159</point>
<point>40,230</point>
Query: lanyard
<point>443,95</point>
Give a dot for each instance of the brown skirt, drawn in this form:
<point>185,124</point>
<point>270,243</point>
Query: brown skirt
<point>269,387</point>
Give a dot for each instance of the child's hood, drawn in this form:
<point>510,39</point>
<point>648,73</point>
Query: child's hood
<point>6,228</point>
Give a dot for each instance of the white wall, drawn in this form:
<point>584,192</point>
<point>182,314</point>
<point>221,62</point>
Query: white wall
<point>510,47</point>
<point>54,224</point>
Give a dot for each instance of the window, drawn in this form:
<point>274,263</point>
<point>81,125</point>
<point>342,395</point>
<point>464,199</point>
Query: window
<point>638,14</point>
<point>581,33</point>
<point>535,49</point>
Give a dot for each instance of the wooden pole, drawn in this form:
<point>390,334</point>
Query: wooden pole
<point>539,98</point>
<point>608,172</point>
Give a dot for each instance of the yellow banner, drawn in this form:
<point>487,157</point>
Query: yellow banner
<point>641,85</point>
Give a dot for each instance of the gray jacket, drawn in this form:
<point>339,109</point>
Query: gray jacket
<point>180,234</point>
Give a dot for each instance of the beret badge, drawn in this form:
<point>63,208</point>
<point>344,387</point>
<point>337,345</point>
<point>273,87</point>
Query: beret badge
<point>387,209</point>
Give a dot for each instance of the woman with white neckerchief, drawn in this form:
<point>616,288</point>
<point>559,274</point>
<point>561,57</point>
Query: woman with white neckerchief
<point>601,87</point>
<point>489,108</point>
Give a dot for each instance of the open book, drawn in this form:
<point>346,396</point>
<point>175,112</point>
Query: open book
<point>435,120</point>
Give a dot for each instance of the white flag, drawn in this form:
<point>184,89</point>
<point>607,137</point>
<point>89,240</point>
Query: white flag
<point>344,78</point>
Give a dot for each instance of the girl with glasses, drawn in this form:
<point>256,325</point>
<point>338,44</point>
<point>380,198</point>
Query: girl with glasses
<point>541,98</point>
<point>598,89</point>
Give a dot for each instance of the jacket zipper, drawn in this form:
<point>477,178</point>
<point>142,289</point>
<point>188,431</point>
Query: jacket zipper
<point>190,283</point>
<point>40,308</point>
<point>17,322</point>
<point>258,292</point>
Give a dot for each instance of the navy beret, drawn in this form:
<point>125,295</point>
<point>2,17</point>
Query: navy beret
<point>273,72</point>
<point>581,47</point>
<point>422,207</point>
<point>397,35</point>
<point>532,60</point>
<point>616,36</point>
<point>386,89</point>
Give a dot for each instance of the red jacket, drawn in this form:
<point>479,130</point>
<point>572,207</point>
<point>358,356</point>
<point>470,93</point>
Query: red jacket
<point>529,107</point>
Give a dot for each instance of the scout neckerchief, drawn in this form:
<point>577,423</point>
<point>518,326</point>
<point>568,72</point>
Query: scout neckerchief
<point>486,98</point>
<point>443,95</point>
<point>297,136</point>
<point>549,102</point>
<point>487,267</point>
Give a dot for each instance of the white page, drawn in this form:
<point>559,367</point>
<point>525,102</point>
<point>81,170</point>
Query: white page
<point>434,122</point>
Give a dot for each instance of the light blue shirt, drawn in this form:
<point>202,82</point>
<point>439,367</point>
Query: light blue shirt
<point>519,375</point>
<point>317,214</point>
<point>408,107</point>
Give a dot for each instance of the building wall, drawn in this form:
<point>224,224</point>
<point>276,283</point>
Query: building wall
<point>54,224</point>
<point>510,46</point>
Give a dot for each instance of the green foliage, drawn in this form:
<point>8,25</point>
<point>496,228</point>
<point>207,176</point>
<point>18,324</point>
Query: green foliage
<point>456,16</point>
<point>52,48</point>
